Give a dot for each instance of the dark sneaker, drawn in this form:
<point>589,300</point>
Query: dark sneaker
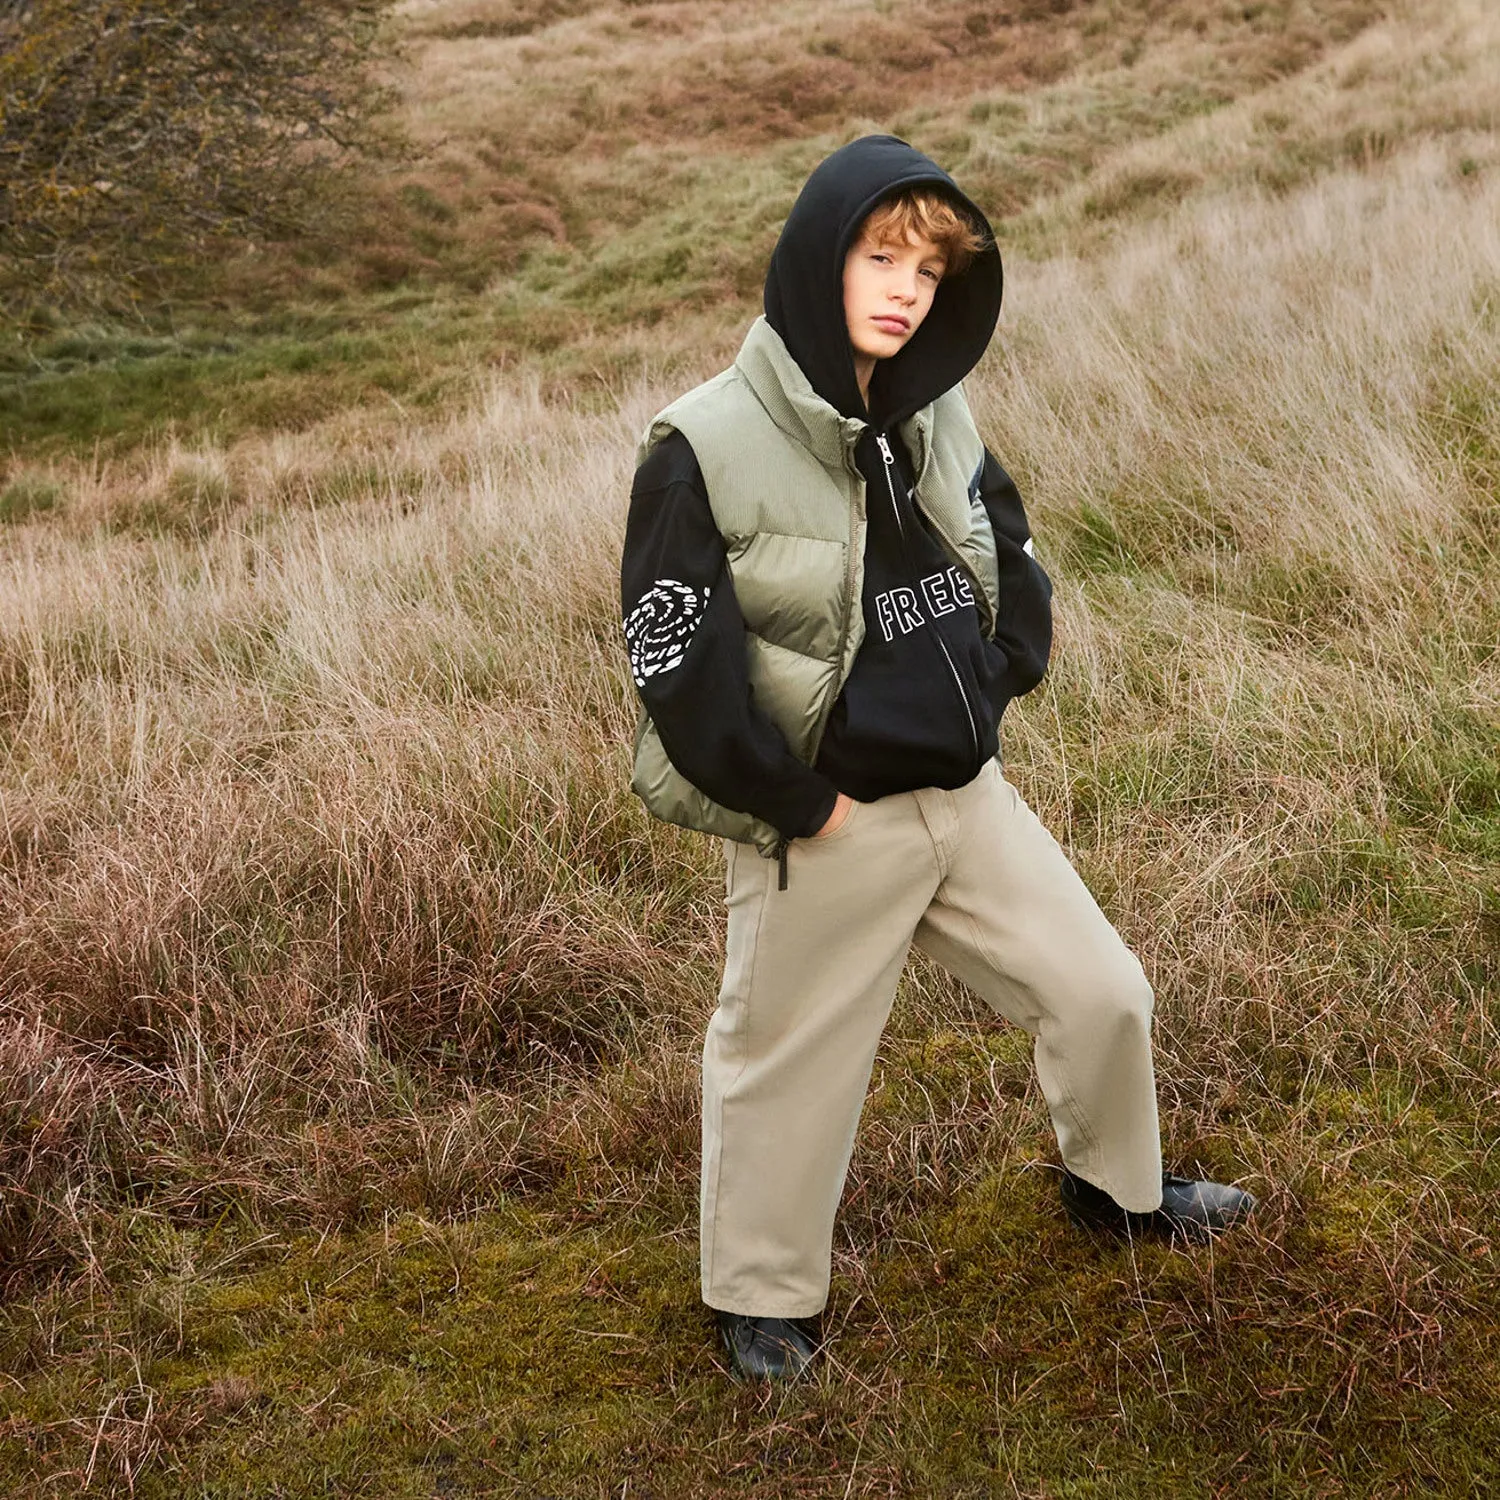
<point>767,1348</point>
<point>1195,1210</point>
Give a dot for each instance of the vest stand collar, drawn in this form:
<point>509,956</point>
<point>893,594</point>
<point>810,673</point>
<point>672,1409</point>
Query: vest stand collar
<point>791,402</point>
<point>799,411</point>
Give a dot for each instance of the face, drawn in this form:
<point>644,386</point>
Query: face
<point>888,291</point>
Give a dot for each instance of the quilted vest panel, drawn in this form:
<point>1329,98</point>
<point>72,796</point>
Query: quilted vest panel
<point>789,502</point>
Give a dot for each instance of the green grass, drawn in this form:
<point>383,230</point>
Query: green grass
<point>28,496</point>
<point>114,388</point>
<point>553,1347</point>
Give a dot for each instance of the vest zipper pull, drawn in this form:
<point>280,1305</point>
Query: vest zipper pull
<point>781,878</point>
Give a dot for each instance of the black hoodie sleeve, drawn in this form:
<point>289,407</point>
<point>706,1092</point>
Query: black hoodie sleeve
<point>1024,626</point>
<point>686,639</point>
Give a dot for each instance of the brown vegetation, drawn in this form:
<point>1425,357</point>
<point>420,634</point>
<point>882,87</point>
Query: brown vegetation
<point>611,116</point>
<point>718,75</point>
<point>134,134</point>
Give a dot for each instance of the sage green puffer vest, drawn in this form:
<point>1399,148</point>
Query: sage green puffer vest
<point>789,501</point>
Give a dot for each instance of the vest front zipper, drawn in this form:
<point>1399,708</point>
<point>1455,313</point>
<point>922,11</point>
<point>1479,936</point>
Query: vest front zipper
<point>889,460</point>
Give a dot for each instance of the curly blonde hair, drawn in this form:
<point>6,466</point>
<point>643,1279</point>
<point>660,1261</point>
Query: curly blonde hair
<point>922,215</point>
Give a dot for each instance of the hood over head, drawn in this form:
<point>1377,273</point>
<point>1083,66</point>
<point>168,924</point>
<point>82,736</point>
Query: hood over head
<point>804,296</point>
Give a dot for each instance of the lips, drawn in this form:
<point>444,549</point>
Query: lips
<point>891,323</point>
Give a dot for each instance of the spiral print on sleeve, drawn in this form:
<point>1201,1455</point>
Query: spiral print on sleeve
<point>658,629</point>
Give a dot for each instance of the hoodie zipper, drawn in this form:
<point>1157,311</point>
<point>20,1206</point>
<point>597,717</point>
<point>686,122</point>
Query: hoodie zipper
<point>889,459</point>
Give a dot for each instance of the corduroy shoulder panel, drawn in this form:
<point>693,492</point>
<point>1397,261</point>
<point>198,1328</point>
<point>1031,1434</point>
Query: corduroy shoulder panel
<point>759,472</point>
<point>784,494</point>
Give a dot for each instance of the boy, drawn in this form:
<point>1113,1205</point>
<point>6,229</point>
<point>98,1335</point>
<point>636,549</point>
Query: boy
<point>830,597</point>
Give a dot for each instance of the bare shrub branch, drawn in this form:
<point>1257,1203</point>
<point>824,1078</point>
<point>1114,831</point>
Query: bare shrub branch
<point>136,134</point>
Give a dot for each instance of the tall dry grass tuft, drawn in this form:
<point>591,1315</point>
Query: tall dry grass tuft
<point>322,803</point>
<point>315,819</point>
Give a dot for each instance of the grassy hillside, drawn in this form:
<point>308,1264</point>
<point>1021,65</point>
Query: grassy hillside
<point>580,181</point>
<point>349,1004</point>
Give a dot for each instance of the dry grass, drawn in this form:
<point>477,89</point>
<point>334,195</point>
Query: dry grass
<point>324,901</point>
<point>559,211</point>
<point>304,770</point>
<point>563,129</point>
<point>611,80</point>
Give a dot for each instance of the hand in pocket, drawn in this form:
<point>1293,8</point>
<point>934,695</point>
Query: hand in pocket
<point>836,819</point>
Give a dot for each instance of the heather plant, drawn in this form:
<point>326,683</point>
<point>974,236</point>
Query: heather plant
<point>138,137</point>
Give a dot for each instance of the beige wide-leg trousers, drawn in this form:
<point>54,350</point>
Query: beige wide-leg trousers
<point>973,879</point>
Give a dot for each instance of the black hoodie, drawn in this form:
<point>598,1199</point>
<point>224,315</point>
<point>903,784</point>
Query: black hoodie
<point>805,284</point>
<point>923,702</point>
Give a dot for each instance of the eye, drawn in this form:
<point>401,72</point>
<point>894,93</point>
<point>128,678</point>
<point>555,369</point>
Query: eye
<point>932,275</point>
